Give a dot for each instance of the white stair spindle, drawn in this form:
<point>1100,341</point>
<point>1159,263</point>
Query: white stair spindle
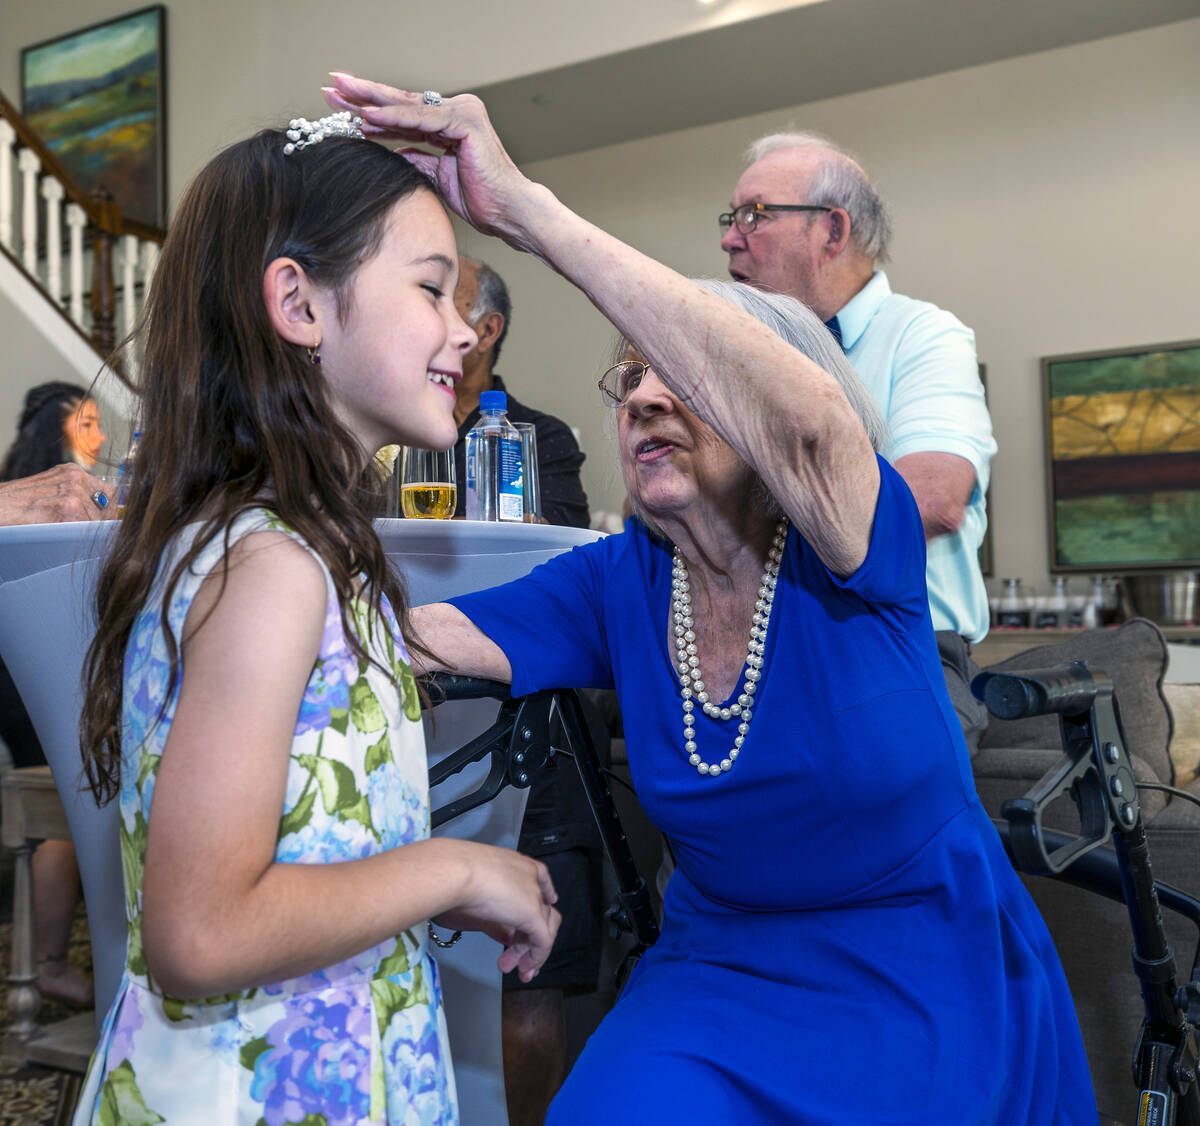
<point>76,221</point>
<point>149,262</point>
<point>8,136</point>
<point>52,193</point>
<point>129,259</point>
<point>29,166</point>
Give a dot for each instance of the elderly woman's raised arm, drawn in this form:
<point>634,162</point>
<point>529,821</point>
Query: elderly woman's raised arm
<point>783,414</point>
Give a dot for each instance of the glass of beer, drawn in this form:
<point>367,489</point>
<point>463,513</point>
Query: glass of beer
<point>427,486</point>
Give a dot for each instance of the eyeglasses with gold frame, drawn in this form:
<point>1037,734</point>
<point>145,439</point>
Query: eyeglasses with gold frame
<point>621,380</point>
<point>745,218</point>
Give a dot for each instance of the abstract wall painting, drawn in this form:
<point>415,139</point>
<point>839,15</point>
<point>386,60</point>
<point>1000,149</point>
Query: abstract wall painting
<point>97,97</point>
<point>1123,458</point>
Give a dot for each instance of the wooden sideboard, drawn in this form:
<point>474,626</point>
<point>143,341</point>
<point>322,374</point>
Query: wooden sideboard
<point>1004,642</point>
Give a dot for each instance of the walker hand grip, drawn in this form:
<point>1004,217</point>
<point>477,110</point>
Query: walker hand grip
<point>1064,689</point>
<point>443,686</point>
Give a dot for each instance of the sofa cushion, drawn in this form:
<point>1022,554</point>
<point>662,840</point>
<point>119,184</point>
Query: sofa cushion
<point>1184,702</point>
<point>1135,657</point>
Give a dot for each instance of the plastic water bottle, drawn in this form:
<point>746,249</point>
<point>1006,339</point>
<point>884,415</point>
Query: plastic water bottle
<point>495,481</point>
<point>125,472</point>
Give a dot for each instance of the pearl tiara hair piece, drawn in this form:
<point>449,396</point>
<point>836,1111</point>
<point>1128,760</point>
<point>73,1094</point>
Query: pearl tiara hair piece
<point>301,132</point>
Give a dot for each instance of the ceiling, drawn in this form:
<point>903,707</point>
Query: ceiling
<point>736,66</point>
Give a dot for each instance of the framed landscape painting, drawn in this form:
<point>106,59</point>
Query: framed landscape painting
<point>1123,458</point>
<point>96,97</point>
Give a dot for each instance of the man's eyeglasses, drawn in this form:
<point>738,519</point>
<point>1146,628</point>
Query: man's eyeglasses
<point>621,381</point>
<point>745,217</point>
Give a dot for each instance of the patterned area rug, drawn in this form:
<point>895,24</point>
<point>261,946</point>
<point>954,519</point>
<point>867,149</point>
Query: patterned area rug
<point>29,1094</point>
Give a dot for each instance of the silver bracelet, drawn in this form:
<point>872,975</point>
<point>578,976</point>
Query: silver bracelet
<point>444,943</point>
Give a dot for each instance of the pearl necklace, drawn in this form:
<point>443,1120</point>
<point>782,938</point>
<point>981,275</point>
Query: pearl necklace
<point>691,679</point>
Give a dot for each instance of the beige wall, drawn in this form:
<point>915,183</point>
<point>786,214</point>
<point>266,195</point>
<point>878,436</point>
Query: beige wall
<point>29,359</point>
<point>235,65</point>
<point>1049,201</point>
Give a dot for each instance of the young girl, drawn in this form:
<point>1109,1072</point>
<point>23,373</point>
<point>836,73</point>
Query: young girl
<point>249,693</point>
<point>60,422</point>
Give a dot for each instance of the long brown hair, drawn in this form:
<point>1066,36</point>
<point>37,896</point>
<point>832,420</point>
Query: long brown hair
<point>231,413</point>
<point>41,441</point>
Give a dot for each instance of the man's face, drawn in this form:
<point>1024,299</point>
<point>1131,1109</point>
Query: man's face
<point>782,253</point>
<point>465,295</point>
<point>467,290</point>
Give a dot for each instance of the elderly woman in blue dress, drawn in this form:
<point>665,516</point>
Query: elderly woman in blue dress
<point>844,939</point>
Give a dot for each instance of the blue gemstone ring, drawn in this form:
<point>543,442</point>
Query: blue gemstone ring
<point>100,499</point>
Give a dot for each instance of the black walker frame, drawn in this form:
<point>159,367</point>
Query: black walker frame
<point>527,731</point>
<point>1097,775</point>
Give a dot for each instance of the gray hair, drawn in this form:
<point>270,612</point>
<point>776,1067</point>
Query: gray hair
<point>796,324</point>
<point>491,298</point>
<point>839,181</point>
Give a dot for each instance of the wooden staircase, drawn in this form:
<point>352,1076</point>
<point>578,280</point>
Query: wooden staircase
<point>89,262</point>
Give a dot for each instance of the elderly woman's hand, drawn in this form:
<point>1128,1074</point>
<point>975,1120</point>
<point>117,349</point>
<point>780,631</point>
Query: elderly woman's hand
<point>474,175</point>
<point>61,494</point>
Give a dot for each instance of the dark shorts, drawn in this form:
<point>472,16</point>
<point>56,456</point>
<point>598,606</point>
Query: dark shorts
<point>560,831</point>
<point>16,730</point>
<point>959,670</point>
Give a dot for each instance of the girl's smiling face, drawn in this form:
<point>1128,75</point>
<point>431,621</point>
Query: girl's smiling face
<point>394,362</point>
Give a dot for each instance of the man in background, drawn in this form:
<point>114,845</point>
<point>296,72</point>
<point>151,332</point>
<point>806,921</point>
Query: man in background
<point>805,220</point>
<point>483,302</point>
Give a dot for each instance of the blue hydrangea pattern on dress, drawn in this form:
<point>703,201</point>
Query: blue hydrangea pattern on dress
<point>318,1062</point>
<point>309,1049</point>
<point>413,1049</point>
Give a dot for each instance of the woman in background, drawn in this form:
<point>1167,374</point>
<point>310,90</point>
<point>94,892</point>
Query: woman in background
<point>60,422</point>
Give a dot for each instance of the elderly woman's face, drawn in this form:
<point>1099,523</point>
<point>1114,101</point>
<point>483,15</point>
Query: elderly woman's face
<point>82,430</point>
<point>669,458</point>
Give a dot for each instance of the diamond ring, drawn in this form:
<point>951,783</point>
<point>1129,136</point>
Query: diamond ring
<point>431,98</point>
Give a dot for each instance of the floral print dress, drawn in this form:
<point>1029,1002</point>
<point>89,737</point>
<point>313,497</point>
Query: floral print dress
<point>361,1042</point>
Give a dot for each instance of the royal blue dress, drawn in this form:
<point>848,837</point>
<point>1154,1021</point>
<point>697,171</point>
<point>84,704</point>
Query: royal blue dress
<point>845,941</point>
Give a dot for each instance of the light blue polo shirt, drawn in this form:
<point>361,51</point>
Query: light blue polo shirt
<point>918,362</point>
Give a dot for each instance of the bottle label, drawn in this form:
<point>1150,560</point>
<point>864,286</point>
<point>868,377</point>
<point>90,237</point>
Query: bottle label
<point>510,501</point>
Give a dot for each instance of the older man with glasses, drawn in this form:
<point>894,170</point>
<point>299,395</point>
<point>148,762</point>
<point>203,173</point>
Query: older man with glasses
<point>806,221</point>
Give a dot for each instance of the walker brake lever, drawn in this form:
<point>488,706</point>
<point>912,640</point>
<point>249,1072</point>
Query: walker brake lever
<point>518,742</point>
<point>1096,773</point>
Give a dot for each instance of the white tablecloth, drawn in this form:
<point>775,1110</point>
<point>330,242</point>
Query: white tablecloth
<point>47,575</point>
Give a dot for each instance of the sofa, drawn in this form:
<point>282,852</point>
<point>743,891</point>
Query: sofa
<point>1092,934</point>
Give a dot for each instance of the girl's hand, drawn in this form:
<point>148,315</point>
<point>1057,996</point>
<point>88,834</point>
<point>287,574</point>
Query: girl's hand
<point>510,898</point>
<point>473,174</point>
